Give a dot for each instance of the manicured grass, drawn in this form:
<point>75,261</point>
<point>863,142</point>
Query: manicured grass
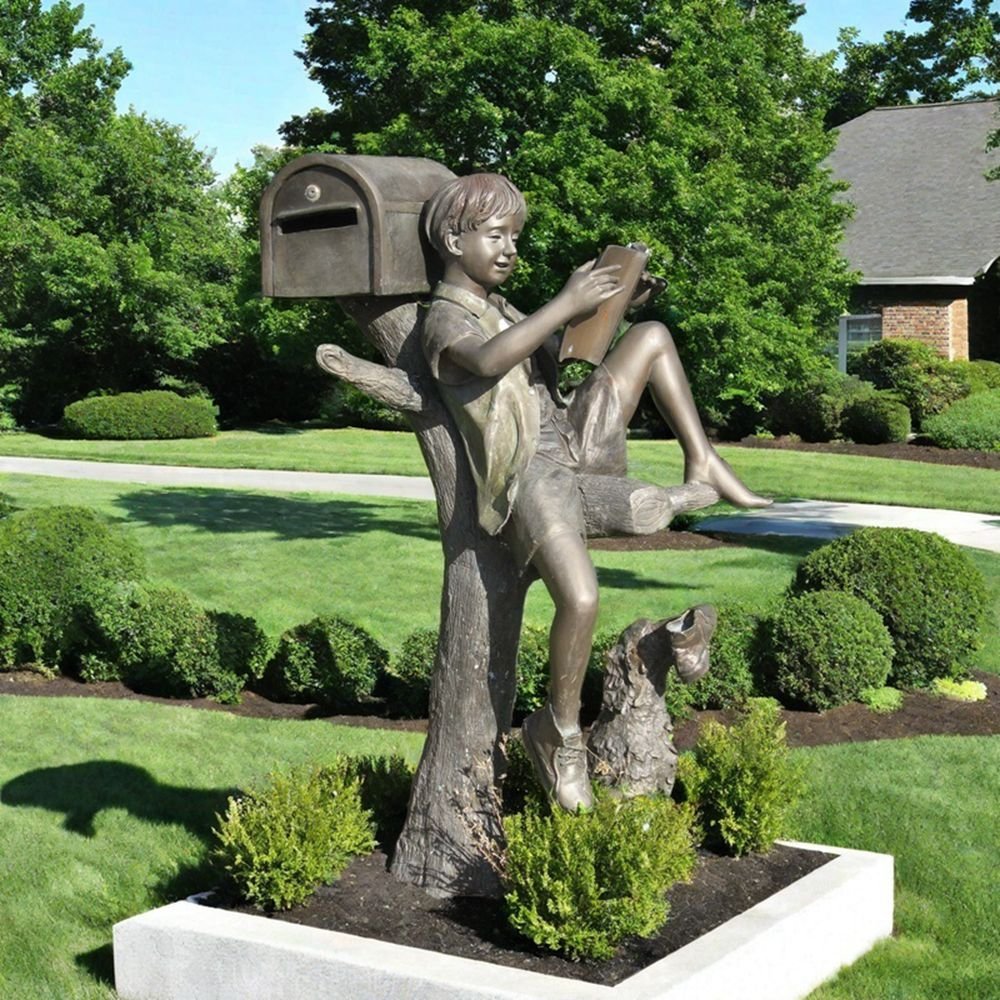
<point>776,473</point>
<point>108,808</point>
<point>107,811</point>
<point>932,803</point>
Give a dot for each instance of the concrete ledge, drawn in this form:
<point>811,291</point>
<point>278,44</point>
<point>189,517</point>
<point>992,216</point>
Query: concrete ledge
<point>780,949</point>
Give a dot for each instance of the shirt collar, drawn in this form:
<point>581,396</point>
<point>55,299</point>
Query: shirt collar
<point>475,304</point>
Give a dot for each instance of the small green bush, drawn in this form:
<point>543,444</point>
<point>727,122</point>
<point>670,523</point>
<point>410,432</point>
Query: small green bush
<point>133,416</point>
<point>959,690</point>
<point>158,641</point>
<point>55,562</point>
<point>734,658</point>
<point>532,669</point>
<point>882,700</point>
<point>406,683</point>
<point>743,781</point>
<point>347,406</point>
<point>876,419</point>
<point>580,884</point>
<point>973,423</point>
<point>384,783</point>
<point>827,647</point>
<point>925,382</point>
<point>814,408</point>
<point>299,831</point>
<point>981,375</point>
<point>330,661</point>
<point>931,597</point>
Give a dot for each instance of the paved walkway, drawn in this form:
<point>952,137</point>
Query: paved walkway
<point>804,518</point>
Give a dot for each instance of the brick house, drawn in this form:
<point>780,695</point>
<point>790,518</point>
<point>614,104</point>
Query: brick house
<point>925,235</point>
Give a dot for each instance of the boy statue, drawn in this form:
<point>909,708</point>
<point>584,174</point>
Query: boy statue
<point>496,371</point>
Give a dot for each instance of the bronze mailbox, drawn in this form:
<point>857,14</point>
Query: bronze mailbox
<point>333,225</point>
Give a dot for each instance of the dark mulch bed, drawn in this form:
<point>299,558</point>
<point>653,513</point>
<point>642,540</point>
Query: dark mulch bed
<point>906,452</point>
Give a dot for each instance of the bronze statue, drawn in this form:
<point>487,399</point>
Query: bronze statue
<point>527,445</point>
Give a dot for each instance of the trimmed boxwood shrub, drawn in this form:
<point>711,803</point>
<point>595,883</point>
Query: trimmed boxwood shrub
<point>973,422</point>
<point>133,416</point>
<point>876,419</point>
<point>925,382</point>
<point>581,884</point>
<point>299,831</point>
<point>329,660</point>
<point>532,669</point>
<point>406,683</point>
<point>734,658</point>
<point>55,563</point>
<point>159,641</point>
<point>742,780</point>
<point>827,647</point>
<point>931,597</point>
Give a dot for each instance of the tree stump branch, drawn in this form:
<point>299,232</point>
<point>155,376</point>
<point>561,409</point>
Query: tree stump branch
<point>392,387</point>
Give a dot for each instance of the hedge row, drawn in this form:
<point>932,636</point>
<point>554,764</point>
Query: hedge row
<point>135,416</point>
<point>882,604</point>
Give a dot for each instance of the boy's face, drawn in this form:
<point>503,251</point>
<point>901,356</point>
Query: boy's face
<point>488,254</point>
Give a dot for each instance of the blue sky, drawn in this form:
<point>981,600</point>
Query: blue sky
<point>226,69</point>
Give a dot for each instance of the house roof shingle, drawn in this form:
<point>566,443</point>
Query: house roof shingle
<point>925,214</point>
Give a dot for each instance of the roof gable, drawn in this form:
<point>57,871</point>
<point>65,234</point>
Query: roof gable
<point>925,213</point>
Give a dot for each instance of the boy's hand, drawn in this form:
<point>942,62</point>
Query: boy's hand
<point>648,288</point>
<point>589,286</point>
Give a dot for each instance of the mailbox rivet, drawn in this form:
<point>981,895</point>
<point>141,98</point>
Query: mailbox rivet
<point>312,192</point>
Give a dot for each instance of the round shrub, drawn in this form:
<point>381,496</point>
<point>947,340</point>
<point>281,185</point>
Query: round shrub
<point>814,408</point>
<point>734,659</point>
<point>827,647</point>
<point>876,419</point>
<point>133,416</point>
<point>973,422</point>
<point>159,641</point>
<point>925,382</point>
<point>930,596</point>
<point>55,563</point>
<point>406,683</point>
<point>330,661</point>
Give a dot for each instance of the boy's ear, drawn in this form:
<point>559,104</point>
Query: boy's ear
<point>453,244</point>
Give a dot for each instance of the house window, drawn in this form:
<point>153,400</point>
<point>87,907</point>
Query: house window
<point>856,333</point>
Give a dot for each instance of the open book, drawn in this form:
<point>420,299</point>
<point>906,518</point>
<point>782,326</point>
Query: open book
<point>587,338</point>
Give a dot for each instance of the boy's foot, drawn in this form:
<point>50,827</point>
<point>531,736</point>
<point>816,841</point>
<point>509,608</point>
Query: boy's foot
<point>714,471</point>
<point>559,760</point>
<point>690,634</point>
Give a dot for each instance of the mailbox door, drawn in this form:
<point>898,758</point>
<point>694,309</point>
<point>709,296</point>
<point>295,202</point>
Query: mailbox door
<point>320,239</point>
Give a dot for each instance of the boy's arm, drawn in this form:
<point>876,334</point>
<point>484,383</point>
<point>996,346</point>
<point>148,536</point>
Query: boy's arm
<point>585,290</point>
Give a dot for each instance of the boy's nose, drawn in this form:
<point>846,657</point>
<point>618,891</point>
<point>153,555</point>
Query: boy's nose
<point>509,247</point>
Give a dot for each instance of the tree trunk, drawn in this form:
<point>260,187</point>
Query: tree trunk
<point>454,811</point>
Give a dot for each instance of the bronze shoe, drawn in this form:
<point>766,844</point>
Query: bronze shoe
<point>559,760</point>
<point>690,634</point>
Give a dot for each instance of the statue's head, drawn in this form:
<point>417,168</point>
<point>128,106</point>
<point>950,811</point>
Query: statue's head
<point>465,203</point>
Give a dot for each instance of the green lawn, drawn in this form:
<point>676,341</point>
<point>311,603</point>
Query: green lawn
<point>777,473</point>
<point>107,808</point>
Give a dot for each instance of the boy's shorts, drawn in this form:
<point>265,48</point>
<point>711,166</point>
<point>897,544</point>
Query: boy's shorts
<point>587,436</point>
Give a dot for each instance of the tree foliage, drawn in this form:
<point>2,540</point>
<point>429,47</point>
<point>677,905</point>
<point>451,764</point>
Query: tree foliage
<point>695,126</point>
<point>115,257</point>
<point>954,54</point>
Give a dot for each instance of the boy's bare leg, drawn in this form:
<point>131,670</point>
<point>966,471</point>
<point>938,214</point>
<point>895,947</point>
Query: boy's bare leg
<point>552,736</point>
<point>646,355</point>
<point>568,573</point>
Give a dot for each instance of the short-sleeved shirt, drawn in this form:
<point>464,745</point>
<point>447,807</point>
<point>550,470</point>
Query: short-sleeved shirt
<point>523,440</point>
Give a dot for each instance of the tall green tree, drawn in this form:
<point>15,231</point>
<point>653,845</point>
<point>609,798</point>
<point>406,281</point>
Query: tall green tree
<point>952,52</point>
<point>116,257</point>
<point>695,126</point>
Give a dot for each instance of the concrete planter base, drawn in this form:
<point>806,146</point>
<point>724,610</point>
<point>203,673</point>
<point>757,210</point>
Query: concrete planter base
<point>780,949</point>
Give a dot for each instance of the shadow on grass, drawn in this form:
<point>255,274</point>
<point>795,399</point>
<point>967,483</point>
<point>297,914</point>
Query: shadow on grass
<point>81,791</point>
<point>287,517</point>
<point>784,545</point>
<point>99,963</point>
<point>626,579</point>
